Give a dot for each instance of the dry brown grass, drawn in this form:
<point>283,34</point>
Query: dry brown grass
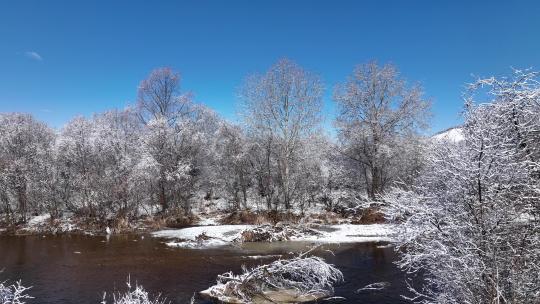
<point>326,218</point>
<point>181,221</point>
<point>372,215</point>
<point>247,217</point>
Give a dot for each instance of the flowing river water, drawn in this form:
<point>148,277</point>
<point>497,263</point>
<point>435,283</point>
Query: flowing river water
<point>79,269</point>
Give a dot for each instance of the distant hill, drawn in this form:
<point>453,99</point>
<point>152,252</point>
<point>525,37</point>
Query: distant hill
<point>453,135</point>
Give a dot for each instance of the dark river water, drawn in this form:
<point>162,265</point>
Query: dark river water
<point>78,269</point>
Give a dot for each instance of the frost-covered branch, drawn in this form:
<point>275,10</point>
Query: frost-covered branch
<point>134,295</point>
<point>300,278</point>
<point>13,293</point>
<point>471,224</point>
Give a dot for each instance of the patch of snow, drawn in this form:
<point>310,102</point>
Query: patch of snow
<point>148,210</point>
<point>451,135</point>
<point>226,234</point>
<point>349,233</point>
<point>258,257</point>
<point>524,218</point>
<point>219,235</point>
<point>67,226</point>
<point>39,220</point>
<point>209,221</point>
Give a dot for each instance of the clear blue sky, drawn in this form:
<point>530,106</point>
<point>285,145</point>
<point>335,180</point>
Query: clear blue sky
<point>63,58</point>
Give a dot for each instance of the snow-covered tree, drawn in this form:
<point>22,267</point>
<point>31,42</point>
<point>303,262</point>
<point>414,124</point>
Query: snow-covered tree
<point>75,154</point>
<point>116,146</point>
<point>25,153</point>
<point>96,160</point>
<point>471,224</point>
<point>315,180</point>
<point>168,125</point>
<point>233,164</point>
<point>379,116</point>
<point>281,108</point>
<point>159,97</point>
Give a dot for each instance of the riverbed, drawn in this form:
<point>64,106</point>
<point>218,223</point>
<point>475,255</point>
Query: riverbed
<point>79,269</point>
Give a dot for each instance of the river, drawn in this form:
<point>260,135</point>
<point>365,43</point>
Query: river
<point>78,269</point>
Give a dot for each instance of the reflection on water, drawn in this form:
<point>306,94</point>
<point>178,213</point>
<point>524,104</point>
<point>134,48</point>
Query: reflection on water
<point>78,269</point>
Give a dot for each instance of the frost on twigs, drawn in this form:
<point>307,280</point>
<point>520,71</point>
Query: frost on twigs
<point>137,295</point>
<point>296,280</point>
<point>470,226</point>
<point>14,293</point>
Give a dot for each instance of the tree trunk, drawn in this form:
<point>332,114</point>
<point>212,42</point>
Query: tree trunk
<point>286,194</point>
<point>376,183</point>
<point>163,197</point>
<point>21,194</point>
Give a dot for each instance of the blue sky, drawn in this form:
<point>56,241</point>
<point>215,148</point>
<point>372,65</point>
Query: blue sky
<point>59,59</point>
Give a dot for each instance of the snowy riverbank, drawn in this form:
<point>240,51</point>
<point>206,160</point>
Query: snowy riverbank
<point>216,228</point>
<point>214,236</point>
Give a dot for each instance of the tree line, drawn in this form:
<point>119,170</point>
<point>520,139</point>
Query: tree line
<point>166,152</point>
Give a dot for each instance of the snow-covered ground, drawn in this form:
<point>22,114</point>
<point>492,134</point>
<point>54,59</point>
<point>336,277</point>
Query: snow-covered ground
<point>349,233</point>
<point>187,237</point>
<point>226,234</point>
<point>209,221</point>
<point>43,224</point>
<point>38,220</point>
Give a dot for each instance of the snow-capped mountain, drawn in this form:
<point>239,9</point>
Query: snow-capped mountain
<point>451,135</point>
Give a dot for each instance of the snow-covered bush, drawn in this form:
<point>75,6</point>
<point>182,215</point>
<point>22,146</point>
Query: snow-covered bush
<point>134,295</point>
<point>13,293</point>
<point>277,233</point>
<point>299,277</point>
<point>471,225</point>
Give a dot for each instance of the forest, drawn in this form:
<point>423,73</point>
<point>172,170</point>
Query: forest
<point>166,153</point>
<point>466,210</point>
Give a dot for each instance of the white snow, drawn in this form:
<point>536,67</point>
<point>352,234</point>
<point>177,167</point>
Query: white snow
<point>38,220</point>
<point>348,233</point>
<point>259,257</point>
<point>220,235</point>
<point>209,221</point>
<point>451,135</point>
<point>225,234</point>
<point>41,223</point>
<point>67,226</point>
